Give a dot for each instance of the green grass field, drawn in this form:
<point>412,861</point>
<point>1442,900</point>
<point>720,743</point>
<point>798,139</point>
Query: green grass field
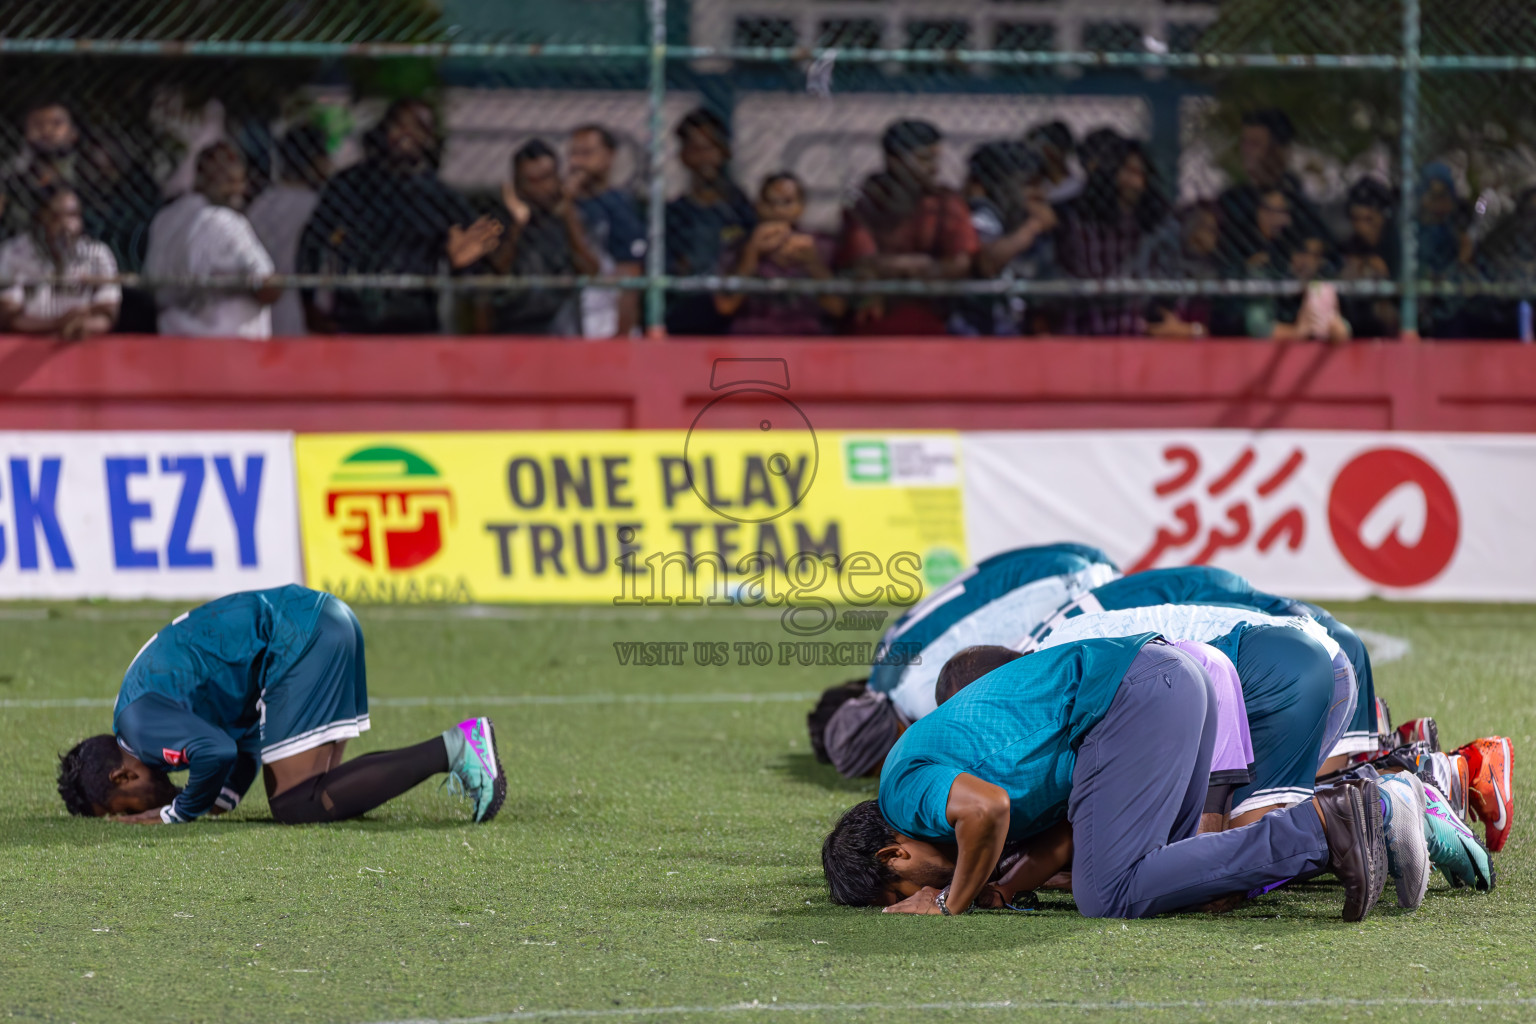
<point>657,857</point>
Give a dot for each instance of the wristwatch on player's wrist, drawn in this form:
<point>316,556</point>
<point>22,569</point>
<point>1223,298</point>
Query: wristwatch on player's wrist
<point>942,902</point>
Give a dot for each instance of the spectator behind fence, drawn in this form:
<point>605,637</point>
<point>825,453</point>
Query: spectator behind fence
<point>203,234</point>
<point>712,217</point>
<point>777,248</point>
<point>1314,314</point>
<point>391,214</point>
<point>279,214</point>
<point>56,246</point>
<point>1099,145</point>
<point>1052,141</point>
<point>1446,253</point>
<point>1283,251</point>
<point>50,158</point>
<point>1259,250</point>
<point>114,185</point>
<point>1006,188</point>
<point>1508,253</point>
<point>613,227</point>
<point>906,225</point>
<point>1264,152</point>
<point>1101,233</point>
<point>1509,250</point>
<point>1370,253</point>
<point>542,236</point>
<point>1184,249</point>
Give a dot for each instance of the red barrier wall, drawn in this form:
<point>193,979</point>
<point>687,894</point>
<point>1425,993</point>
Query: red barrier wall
<point>124,382</point>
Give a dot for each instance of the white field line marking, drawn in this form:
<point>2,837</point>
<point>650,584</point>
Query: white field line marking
<point>1384,647</point>
<point>1079,1007</point>
<point>160,615</point>
<point>485,700</point>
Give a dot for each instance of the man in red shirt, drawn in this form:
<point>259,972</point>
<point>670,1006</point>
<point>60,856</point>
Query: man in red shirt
<point>904,224</point>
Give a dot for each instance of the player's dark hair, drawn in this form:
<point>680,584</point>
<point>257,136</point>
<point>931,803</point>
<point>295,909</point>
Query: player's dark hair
<point>993,162</point>
<point>1096,145</point>
<point>48,103</point>
<point>301,152</point>
<point>1276,122</point>
<point>706,121</point>
<point>907,136</point>
<point>832,698</point>
<point>44,195</point>
<point>603,135</point>
<point>534,149</point>
<point>967,666</point>
<point>1372,193</point>
<point>85,774</point>
<point>778,176</point>
<point>850,856</point>
<point>997,168</point>
<point>1055,134</point>
<point>217,156</point>
<point>1100,198</point>
<point>398,110</point>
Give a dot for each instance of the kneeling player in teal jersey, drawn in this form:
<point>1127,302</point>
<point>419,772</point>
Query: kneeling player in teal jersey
<point>1114,736</point>
<point>272,680</point>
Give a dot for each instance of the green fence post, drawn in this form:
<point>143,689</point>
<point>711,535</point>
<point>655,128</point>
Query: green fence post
<point>655,254</point>
<point>1407,216</point>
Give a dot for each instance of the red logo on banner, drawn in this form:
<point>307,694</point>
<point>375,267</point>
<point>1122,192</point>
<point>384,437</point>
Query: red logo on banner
<point>1248,517</point>
<point>1394,517</point>
<point>391,505</point>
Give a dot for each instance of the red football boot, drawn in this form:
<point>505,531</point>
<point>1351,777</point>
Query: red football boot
<point>1490,796</point>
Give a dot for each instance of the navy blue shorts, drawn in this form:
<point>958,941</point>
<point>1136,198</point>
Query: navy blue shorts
<point>1288,686</point>
<point>323,696</point>
<point>1361,735</point>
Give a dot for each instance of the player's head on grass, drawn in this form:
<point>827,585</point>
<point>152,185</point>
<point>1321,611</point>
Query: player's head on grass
<point>969,665</point>
<point>97,778</point>
<point>832,698</point>
<point>870,864</point>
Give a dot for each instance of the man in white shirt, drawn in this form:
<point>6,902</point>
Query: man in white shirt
<point>279,213</point>
<point>203,235</point>
<point>56,247</point>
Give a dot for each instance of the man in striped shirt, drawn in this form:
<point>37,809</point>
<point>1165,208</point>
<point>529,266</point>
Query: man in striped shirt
<point>56,248</point>
<point>1100,233</point>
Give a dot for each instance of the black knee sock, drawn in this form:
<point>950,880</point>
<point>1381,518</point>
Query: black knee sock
<point>361,784</point>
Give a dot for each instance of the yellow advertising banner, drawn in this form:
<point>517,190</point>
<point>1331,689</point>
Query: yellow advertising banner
<point>638,517</point>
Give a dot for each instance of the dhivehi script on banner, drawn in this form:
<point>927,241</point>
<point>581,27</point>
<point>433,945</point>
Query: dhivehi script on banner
<point>1310,513</point>
<point>623,516</point>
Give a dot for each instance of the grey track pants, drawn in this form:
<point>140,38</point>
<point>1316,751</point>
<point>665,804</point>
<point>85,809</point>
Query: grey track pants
<point>1137,792</point>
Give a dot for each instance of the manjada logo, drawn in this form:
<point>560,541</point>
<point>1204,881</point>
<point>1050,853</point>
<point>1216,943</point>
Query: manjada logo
<point>390,503</point>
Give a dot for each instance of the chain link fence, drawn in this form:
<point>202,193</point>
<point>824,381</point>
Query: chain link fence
<point>1253,168</point>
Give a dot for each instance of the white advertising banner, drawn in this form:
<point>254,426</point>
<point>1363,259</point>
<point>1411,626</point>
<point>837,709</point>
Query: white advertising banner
<point>1307,513</point>
<point>128,514</point>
